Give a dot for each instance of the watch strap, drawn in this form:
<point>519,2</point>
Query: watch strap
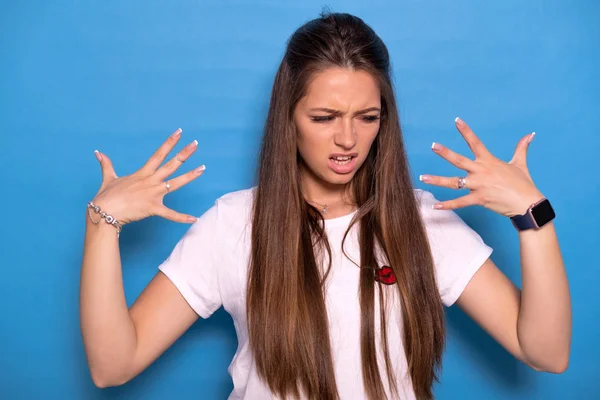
<point>523,222</point>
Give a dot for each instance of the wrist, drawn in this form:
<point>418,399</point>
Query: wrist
<point>98,216</point>
<point>525,202</point>
<point>100,226</point>
<point>109,207</point>
<point>538,214</point>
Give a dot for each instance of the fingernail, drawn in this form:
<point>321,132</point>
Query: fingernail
<point>458,121</point>
<point>195,142</point>
<point>424,178</point>
<point>200,169</point>
<point>176,133</point>
<point>436,146</point>
<point>98,155</point>
<point>192,219</point>
<point>531,137</point>
<point>438,206</point>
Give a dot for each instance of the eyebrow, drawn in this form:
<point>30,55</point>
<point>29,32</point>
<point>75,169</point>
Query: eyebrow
<point>338,112</point>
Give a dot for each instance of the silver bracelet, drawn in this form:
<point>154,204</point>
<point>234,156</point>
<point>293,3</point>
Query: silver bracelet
<point>108,218</point>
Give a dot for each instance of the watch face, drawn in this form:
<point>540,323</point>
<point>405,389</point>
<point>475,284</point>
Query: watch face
<point>543,213</point>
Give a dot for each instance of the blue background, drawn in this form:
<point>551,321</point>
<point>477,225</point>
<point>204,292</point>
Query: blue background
<point>119,76</point>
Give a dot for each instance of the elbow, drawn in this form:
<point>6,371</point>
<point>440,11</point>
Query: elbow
<point>104,380</point>
<point>558,366</point>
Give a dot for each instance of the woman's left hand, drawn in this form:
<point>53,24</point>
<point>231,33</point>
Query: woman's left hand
<point>506,188</point>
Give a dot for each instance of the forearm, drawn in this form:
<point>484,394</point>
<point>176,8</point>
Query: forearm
<point>108,332</point>
<point>544,323</point>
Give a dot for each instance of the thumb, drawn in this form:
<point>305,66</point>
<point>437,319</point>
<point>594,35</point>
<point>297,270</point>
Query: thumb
<point>108,172</point>
<point>520,156</point>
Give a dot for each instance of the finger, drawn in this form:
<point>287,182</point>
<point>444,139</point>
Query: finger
<point>175,216</point>
<point>161,153</point>
<point>186,178</point>
<point>448,182</point>
<point>475,144</point>
<point>465,201</point>
<point>520,156</point>
<point>454,158</point>
<point>174,163</point>
<point>108,171</point>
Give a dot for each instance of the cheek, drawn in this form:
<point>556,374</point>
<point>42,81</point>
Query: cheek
<point>367,136</point>
<point>312,141</point>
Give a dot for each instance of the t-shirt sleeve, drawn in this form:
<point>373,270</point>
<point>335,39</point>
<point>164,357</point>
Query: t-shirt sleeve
<point>193,266</point>
<point>458,251</point>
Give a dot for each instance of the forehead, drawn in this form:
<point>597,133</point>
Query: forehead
<point>341,88</point>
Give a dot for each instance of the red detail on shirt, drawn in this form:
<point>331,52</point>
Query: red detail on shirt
<point>385,275</point>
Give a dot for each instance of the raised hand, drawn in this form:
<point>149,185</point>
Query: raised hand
<point>503,187</point>
<point>140,195</point>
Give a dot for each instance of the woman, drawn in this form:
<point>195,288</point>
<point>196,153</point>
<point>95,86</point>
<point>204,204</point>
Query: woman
<point>334,269</point>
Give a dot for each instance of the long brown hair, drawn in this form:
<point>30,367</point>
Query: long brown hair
<point>286,313</point>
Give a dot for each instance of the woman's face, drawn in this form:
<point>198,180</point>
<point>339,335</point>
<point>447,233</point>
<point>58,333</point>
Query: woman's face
<point>337,121</point>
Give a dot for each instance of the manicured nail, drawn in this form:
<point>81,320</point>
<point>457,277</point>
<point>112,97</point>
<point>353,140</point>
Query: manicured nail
<point>192,219</point>
<point>176,133</point>
<point>195,142</point>
<point>436,146</point>
<point>98,155</point>
<point>424,178</point>
<point>458,121</point>
<point>200,169</point>
<point>531,137</point>
<point>438,206</point>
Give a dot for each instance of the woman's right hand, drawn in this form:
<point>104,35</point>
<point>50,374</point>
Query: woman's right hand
<point>139,195</point>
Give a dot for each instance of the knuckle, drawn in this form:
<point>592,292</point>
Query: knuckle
<point>452,156</point>
<point>160,155</point>
<point>183,156</point>
<point>154,209</point>
<point>169,164</point>
<point>175,216</point>
<point>482,199</point>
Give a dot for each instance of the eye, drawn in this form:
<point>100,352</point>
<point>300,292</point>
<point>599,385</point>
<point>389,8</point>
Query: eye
<point>370,118</point>
<point>322,118</point>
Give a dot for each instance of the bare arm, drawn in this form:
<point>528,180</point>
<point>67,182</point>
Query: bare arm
<point>108,332</point>
<point>535,325</point>
<point>121,342</point>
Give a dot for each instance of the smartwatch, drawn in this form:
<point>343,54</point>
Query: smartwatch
<point>537,215</point>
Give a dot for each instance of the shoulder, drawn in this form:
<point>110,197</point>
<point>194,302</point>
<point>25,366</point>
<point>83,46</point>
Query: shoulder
<point>425,201</point>
<point>437,221</point>
<point>234,209</point>
<point>237,200</point>
<point>444,227</point>
<point>422,195</point>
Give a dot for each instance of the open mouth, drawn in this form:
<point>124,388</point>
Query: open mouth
<point>343,164</point>
<point>342,160</point>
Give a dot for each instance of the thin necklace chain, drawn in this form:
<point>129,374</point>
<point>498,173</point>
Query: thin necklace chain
<point>323,206</point>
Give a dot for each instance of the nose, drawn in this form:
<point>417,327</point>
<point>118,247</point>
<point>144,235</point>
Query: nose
<point>345,136</point>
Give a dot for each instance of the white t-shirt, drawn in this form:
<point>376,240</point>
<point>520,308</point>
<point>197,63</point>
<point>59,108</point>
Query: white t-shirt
<point>209,267</point>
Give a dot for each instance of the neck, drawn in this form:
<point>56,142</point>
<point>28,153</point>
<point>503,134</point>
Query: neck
<point>336,200</point>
